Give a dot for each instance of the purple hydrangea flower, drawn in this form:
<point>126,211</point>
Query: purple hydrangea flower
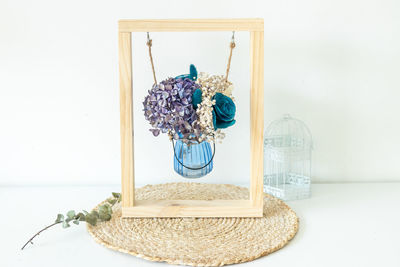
<point>168,108</point>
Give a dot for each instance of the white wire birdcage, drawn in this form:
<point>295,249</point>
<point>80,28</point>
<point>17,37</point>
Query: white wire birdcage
<point>287,159</point>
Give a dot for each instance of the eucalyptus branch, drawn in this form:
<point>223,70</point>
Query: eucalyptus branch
<point>102,214</point>
<point>38,233</point>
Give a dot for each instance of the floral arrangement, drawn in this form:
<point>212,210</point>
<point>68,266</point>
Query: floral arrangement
<point>191,108</point>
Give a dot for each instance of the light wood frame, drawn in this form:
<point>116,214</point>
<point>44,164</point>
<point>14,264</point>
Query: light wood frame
<point>253,207</point>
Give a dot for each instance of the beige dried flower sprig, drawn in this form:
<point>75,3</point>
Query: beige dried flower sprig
<point>210,85</point>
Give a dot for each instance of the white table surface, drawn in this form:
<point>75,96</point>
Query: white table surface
<point>340,225</point>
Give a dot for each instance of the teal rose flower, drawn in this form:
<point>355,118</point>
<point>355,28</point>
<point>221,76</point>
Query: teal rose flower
<point>196,98</point>
<point>224,111</point>
<point>192,75</point>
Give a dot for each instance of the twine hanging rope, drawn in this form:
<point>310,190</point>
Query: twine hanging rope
<point>149,44</point>
<point>232,45</point>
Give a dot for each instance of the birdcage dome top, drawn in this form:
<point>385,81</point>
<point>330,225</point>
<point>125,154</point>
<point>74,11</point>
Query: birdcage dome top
<point>288,132</point>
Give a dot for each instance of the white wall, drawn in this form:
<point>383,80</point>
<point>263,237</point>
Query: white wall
<point>334,64</point>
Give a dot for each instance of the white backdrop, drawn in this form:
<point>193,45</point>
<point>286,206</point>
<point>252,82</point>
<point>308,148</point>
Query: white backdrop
<point>333,64</point>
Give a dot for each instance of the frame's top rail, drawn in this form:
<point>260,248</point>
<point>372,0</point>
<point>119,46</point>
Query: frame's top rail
<point>190,25</point>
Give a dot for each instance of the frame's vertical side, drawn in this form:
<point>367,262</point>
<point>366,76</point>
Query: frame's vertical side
<point>126,113</point>
<point>256,117</point>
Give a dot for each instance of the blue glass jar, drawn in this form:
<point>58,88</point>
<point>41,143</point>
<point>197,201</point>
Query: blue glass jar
<point>196,156</point>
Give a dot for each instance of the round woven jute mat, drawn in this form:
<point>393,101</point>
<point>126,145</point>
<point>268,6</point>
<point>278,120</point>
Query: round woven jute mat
<point>198,241</point>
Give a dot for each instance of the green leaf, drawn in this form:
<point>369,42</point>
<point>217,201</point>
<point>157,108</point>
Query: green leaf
<point>95,213</point>
<point>65,224</point>
<point>105,208</point>
<point>76,222</point>
<point>71,214</point>
<point>105,212</point>
<point>80,216</point>
<point>91,219</point>
<point>105,217</point>
<point>112,201</point>
<point>60,218</point>
<point>116,195</point>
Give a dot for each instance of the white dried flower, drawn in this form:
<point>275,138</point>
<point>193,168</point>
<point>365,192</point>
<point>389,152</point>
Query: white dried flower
<point>211,84</point>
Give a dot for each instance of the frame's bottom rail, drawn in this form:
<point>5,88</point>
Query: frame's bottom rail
<point>192,208</point>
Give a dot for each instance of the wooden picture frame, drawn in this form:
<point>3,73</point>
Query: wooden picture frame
<point>253,207</point>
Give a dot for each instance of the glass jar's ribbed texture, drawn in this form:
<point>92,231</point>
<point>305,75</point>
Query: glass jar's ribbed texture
<point>194,156</point>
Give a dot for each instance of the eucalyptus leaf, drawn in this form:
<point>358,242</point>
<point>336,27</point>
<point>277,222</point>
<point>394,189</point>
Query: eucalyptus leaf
<point>80,216</point>
<point>112,201</point>
<point>65,224</point>
<point>116,195</point>
<point>105,212</point>
<point>105,208</point>
<point>71,214</point>
<point>91,219</point>
<point>105,216</point>
<point>95,213</point>
<point>60,218</point>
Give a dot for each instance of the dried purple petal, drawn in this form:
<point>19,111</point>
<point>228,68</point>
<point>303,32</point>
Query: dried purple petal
<point>165,94</point>
<point>155,132</point>
<point>168,108</point>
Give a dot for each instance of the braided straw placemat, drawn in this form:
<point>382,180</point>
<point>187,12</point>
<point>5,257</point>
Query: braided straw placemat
<point>198,241</point>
